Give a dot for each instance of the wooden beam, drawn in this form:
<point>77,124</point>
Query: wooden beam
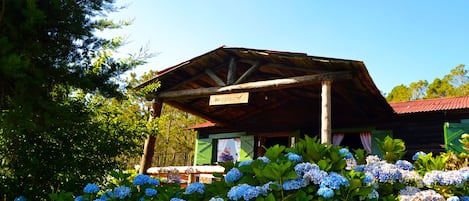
<point>326,133</point>
<point>193,111</point>
<point>197,76</point>
<point>214,77</point>
<point>248,73</point>
<point>267,85</point>
<point>149,147</point>
<point>287,67</point>
<point>302,69</point>
<point>231,72</point>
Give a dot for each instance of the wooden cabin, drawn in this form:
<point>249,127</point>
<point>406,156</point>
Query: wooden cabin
<point>254,98</point>
<point>431,125</point>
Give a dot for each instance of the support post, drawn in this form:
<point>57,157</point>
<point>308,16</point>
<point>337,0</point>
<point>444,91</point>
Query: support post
<point>326,134</point>
<point>149,147</point>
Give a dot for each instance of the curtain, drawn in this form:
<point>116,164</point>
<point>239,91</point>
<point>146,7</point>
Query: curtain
<point>337,138</point>
<point>366,141</point>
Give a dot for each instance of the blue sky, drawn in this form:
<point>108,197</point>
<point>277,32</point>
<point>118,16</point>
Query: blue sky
<point>399,41</point>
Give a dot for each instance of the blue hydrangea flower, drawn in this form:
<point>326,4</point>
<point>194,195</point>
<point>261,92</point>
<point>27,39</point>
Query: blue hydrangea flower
<point>122,192</point>
<point>216,199</point>
<point>264,159</point>
<point>251,193</point>
<point>21,198</point>
<point>315,175</point>
<point>418,154</point>
<point>302,168</point>
<point>359,168</point>
<point>385,172</point>
<point>464,173</point>
<point>78,198</point>
<point>334,180</point>
<point>195,187</point>
<point>373,195</point>
<point>453,177</point>
<point>453,198</point>
<point>176,199</point>
<point>150,192</point>
<point>294,184</point>
<point>141,179</point>
<point>405,165</point>
<point>294,157</point>
<point>107,195</point>
<point>245,163</point>
<point>91,188</point>
<point>464,198</point>
<point>153,181</point>
<point>325,192</point>
<point>264,189</point>
<point>346,153</point>
<point>237,192</point>
<point>233,175</point>
<point>368,178</point>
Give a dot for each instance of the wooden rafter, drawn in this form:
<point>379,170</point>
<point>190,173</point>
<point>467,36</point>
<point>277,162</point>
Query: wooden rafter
<point>230,78</point>
<point>256,86</point>
<point>183,107</point>
<point>248,73</point>
<point>286,67</point>
<point>214,77</point>
<point>197,76</point>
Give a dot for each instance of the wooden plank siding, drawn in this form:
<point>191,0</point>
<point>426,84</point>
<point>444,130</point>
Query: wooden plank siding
<point>424,131</point>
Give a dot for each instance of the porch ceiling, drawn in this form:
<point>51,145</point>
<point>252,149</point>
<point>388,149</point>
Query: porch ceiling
<point>355,99</point>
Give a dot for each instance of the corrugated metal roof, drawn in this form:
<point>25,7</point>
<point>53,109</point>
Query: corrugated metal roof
<point>428,105</point>
<point>203,125</point>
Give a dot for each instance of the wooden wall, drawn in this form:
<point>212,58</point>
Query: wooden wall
<point>424,131</point>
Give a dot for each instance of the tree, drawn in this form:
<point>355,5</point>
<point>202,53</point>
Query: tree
<point>418,89</point>
<point>399,93</point>
<point>175,142</point>
<point>451,85</point>
<point>53,136</point>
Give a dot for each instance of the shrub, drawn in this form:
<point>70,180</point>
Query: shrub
<point>300,173</point>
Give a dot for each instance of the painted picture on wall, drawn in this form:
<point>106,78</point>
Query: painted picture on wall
<point>228,149</point>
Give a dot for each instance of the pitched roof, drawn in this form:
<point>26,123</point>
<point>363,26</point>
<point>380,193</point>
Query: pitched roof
<point>428,105</point>
<point>355,99</point>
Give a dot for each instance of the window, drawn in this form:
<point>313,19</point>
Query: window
<point>228,149</point>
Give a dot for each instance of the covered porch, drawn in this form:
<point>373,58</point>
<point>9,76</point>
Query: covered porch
<point>267,93</point>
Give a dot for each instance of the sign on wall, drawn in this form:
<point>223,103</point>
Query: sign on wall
<point>226,99</point>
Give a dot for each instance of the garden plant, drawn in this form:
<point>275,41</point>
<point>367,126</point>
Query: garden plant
<point>308,171</point>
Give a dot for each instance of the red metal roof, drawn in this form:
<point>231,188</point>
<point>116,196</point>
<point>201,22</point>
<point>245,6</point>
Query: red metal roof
<point>203,125</point>
<point>428,105</point>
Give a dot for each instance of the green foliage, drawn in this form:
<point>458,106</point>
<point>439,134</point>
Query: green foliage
<point>465,141</point>
<point>175,142</point>
<point>427,163</point>
<point>267,179</point>
<point>55,134</point>
<point>454,84</point>
<point>392,149</point>
<point>326,156</point>
<point>456,161</point>
<point>399,93</point>
<point>360,156</point>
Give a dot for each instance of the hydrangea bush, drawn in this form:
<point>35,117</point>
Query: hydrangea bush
<point>308,171</point>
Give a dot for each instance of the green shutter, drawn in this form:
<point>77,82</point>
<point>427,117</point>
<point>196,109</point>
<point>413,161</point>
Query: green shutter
<point>247,147</point>
<point>453,132</point>
<point>378,135</point>
<point>203,151</point>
